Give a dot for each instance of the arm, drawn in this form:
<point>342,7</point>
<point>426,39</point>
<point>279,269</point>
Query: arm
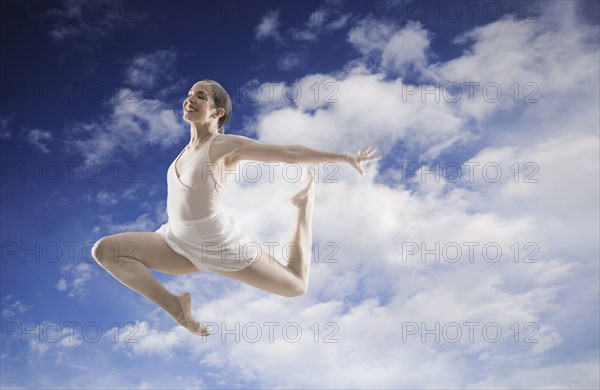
<point>303,154</point>
<point>250,149</point>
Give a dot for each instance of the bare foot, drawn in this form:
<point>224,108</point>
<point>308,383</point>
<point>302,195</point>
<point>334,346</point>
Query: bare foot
<point>184,315</point>
<point>307,194</point>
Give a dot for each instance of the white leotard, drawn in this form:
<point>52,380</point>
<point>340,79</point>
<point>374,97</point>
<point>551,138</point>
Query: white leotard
<point>195,193</point>
<point>197,229</point>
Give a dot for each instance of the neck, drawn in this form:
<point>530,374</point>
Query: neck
<point>199,134</point>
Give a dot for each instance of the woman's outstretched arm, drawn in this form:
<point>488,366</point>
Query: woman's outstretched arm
<point>305,154</point>
<point>249,149</point>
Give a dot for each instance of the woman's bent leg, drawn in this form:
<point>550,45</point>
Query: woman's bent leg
<point>292,279</point>
<point>130,256</point>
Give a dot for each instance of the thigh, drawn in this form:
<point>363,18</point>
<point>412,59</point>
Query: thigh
<point>148,248</point>
<point>268,274</point>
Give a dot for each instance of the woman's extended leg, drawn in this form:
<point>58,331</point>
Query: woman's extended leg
<point>130,256</point>
<point>292,279</point>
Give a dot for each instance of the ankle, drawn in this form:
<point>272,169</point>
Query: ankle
<point>174,308</point>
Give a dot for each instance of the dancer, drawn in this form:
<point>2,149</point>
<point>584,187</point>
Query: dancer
<point>198,236</point>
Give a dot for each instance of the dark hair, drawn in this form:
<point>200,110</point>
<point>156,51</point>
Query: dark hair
<point>222,100</point>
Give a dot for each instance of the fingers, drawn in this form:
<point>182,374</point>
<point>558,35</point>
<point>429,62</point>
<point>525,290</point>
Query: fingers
<point>364,156</point>
<point>367,154</point>
<point>370,150</point>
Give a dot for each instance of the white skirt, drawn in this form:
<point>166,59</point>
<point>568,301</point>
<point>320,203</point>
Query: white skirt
<point>216,242</point>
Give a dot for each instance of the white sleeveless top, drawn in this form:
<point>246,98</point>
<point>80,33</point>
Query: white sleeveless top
<point>194,194</point>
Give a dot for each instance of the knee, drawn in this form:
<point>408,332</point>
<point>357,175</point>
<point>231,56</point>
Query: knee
<point>297,290</point>
<point>100,250</point>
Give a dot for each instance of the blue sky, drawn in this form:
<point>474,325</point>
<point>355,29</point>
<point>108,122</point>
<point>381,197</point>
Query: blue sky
<point>90,120</point>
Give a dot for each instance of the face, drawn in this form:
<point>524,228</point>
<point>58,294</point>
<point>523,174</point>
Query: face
<point>199,107</point>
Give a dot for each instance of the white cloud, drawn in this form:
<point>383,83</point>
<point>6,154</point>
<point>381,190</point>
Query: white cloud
<point>143,223</point>
<point>130,193</point>
<point>268,26</point>
<point>39,138</point>
<point>106,198</point>
<point>79,275</point>
<point>176,382</point>
<point>147,341</point>
<point>289,60</point>
<point>148,69</point>
<point>5,133</point>
<point>554,166</point>
<point>62,284</point>
<point>392,48</point>
<point>11,307</point>
<point>133,117</point>
<point>325,19</point>
<point>85,25</point>
<point>38,348</point>
<point>51,338</point>
<point>407,47</point>
<point>558,72</point>
<point>370,35</point>
<point>358,109</point>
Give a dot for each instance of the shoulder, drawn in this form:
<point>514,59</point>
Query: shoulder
<point>228,144</point>
<point>233,138</point>
<point>234,141</point>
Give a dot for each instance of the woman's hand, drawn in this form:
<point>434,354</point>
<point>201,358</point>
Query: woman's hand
<point>356,160</point>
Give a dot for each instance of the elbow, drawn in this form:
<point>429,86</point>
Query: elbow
<point>296,154</point>
<point>292,155</point>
